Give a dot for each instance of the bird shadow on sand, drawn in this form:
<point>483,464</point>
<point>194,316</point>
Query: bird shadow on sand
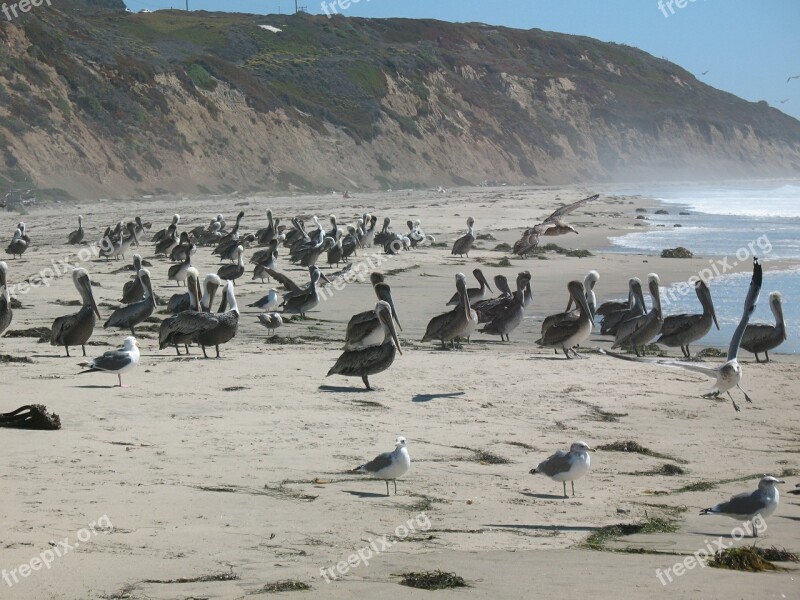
<point>341,388</point>
<point>543,527</point>
<point>364,494</point>
<point>545,496</point>
<point>97,387</point>
<point>429,397</point>
<point>559,358</point>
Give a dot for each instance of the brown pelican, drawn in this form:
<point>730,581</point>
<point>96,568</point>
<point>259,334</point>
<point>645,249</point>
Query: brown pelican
<point>127,317</point>
<point>168,242</point>
<point>763,337</point>
<point>115,361</point>
<point>463,244</point>
<point>233,272</point>
<point>183,249</point>
<point>76,237</point>
<point>365,329</point>
<point>552,225</point>
<point>640,331</point>
<point>491,307</point>
<point>227,325</point>
<point>18,245</point>
<point>458,323</point>
<point>233,234</point>
<point>474,294</point>
<point>183,327</point>
<point>384,236</point>
<point>729,374</point>
<point>370,360</point>
<point>133,291</point>
<point>570,333</point>
<point>335,252</point>
<point>566,466</point>
<point>509,320</point>
<point>369,231</point>
<point>682,330</point>
<point>228,251</point>
<point>120,247</point>
<point>164,233</point>
<point>270,320</point>
<point>5,299</point>
<point>177,273</point>
<point>636,308</point>
<point>77,328</point>
<point>389,465</point>
<point>304,301</point>
<point>751,506</point>
<point>570,315</point>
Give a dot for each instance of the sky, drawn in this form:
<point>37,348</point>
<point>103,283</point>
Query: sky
<point>746,47</point>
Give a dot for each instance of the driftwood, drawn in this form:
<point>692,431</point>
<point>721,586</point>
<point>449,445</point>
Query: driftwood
<point>32,416</point>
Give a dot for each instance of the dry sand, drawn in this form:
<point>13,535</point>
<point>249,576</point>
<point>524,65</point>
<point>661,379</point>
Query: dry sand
<point>239,465</point>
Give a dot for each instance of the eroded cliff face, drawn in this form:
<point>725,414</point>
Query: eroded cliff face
<point>106,104</point>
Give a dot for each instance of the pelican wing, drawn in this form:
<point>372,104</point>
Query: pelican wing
<point>283,280</point>
<point>676,324</point>
<point>749,308</point>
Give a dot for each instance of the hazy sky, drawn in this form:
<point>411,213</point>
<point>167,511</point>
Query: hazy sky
<point>748,47</point>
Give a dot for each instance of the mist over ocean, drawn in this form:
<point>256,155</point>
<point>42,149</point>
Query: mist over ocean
<point>725,221</point>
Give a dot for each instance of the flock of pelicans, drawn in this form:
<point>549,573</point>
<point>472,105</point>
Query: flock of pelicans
<point>371,339</point>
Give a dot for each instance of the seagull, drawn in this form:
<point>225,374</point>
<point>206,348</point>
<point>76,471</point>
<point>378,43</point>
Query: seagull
<point>566,466</point>
<point>729,374</point>
<point>389,465</point>
<point>706,72</point>
<point>115,361</point>
<point>788,79</point>
<point>271,320</point>
<point>783,101</point>
<point>749,505</point>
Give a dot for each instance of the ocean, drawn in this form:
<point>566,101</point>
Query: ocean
<point>736,222</point>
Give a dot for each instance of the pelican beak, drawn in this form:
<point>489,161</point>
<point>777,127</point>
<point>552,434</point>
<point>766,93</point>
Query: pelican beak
<point>386,295</point>
<point>714,316</point>
<point>324,277</point>
<point>88,287</point>
<point>386,318</point>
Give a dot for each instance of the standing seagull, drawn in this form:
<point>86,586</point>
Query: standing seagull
<point>389,465</point>
<point>566,466</point>
<point>76,237</point>
<point>463,244</point>
<point>729,374</point>
<point>763,337</point>
<point>370,360</point>
<point>747,506</point>
<point>115,361</point>
<point>77,328</point>
<point>5,300</point>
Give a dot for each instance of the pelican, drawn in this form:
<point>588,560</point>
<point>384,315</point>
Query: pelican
<point>183,249</point>
<point>509,320</point>
<point>115,361</point>
<point>127,317</point>
<point>682,330</point>
<point>551,226</point>
<point>463,244</point>
<point>233,234</point>
<point>18,245</point>
<point>491,307</point>
<point>133,291</point>
<point>640,331</point>
<point>5,300</point>
<point>762,337</point>
<point>568,334</point>
<point>164,233</point>
<point>178,273</point>
<point>365,329</point>
<point>233,272</point>
<point>570,315</point>
<point>76,237</point>
<point>168,242</point>
<point>458,323</point>
<point>119,248</point>
<point>370,360</point>
<point>729,374</point>
<point>304,301</point>
<point>636,307</point>
<point>271,320</point>
<point>227,325</point>
<point>77,328</point>
<point>183,327</point>
<point>474,294</point>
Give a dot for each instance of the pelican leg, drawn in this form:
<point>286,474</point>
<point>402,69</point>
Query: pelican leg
<point>755,529</point>
<point>178,350</point>
<point>757,359</point>
<point>735,406</point>
<point>555,350</point>
<point>217,350</point>
<point>204,352</point>
<point>133,333</point>
<point>187,349</point>
<point>365,379</point>
<point>84,349</point>
<point>766,353</point>
<point>67,347</point>
<point>566,353</point>
<point>746,397</point>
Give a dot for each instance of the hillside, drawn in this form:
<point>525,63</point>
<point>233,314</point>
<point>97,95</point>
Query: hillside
<point>97,102</point>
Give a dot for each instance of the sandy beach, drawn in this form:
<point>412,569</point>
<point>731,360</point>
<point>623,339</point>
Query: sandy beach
<point>237,469</point>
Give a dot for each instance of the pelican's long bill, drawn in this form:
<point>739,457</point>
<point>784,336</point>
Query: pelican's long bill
<point>386,318</point>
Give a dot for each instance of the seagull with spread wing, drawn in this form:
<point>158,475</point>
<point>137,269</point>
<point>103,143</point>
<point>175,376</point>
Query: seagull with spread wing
<point>552,225</point>
<point>729,374</point>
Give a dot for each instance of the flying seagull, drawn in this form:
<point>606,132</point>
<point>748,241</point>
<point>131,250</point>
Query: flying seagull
<point>566,466</point>
<point>749,505</point>
<point>705,72</point>
<point>729,374</point>
<point>783,101</point>
<point>115,361</point>
<point>788,79</point>
<point>389,465</point>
